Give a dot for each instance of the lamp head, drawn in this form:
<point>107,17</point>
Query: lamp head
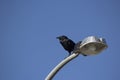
<point>91,45</point>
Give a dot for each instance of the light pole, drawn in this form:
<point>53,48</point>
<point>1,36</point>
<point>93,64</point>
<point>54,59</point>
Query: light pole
<point>89,46</point>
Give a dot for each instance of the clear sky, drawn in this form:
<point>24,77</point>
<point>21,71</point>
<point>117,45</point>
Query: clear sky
<point>29,49</point>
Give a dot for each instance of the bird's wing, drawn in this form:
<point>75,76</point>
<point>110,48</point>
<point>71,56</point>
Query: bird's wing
<point>70,42</point>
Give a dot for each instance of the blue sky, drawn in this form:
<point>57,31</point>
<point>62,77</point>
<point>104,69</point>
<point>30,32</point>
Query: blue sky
<point>29,49</point>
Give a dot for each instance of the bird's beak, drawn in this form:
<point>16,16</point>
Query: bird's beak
<point>57,37</point>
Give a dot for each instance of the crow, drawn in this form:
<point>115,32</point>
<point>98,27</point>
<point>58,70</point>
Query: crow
<point>67,43</point>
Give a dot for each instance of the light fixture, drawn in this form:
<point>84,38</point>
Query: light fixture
<point>90,46</point>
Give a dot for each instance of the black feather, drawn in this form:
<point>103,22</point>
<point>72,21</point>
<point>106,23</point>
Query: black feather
<point>67,43</point>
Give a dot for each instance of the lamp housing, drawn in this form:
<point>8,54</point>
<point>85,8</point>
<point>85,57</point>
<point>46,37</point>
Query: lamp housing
<point>90,46</point>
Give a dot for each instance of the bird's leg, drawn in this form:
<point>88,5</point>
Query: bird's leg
<point>69,53</point>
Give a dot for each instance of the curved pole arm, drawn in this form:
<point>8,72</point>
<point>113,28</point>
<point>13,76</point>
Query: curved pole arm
<point>60,65</point>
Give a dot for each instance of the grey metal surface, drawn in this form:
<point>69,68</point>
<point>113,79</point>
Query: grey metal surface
<point>90,45</point>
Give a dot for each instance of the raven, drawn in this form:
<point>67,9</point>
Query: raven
<point>67,43</point>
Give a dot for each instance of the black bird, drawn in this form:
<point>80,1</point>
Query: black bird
<point>67,43</point>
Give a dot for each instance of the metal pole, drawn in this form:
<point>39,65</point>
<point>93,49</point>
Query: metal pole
<point>60,65</point>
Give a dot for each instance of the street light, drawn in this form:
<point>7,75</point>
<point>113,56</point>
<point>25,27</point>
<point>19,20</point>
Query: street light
<point>89,46</point>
